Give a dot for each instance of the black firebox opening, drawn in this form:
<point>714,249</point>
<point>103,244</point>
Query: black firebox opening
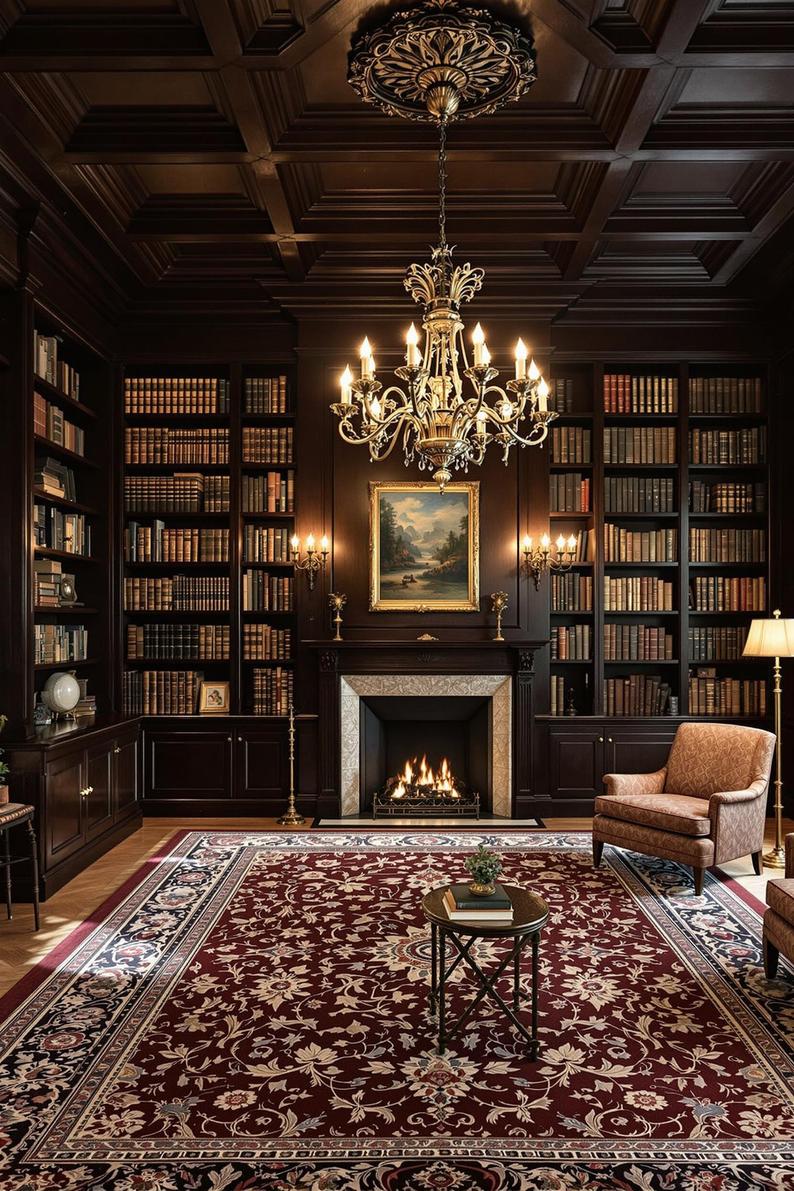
<point>395,729</point>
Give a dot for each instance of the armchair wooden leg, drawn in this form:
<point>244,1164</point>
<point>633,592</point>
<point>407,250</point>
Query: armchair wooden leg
<point>598,851</point>
<point>698,875</point>
<point>771,955</point>
<point>757,863</point>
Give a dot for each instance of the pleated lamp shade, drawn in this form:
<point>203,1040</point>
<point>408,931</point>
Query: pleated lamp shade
<point>770,638</point>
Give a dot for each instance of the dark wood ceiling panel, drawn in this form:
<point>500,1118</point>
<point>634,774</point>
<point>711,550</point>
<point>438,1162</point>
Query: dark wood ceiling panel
<point>217,143</point>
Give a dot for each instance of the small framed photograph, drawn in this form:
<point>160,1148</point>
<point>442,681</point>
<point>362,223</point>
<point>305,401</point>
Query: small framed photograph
<point>214,698</point>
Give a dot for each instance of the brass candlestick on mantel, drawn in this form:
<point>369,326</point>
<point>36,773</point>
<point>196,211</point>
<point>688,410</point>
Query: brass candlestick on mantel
<point>291,818</point>
<point>337,601</point>
<point>498,605</point>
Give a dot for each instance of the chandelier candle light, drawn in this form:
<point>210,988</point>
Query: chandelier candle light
<point>437,63</point>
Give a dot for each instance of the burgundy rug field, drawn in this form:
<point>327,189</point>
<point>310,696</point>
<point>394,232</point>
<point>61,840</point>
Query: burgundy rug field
<point>253,1013</point>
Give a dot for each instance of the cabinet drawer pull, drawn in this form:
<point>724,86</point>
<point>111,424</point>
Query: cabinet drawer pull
<point>229,739</point>
<point>86,791</point>
<point>117,749</point>
<point>610,740</point>
<point>601,740</point>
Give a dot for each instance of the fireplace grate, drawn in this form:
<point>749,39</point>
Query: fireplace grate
<point>429,805</point>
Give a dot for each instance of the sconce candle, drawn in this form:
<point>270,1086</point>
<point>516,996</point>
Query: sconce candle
<point>313,560</point>
<point>536,561</point>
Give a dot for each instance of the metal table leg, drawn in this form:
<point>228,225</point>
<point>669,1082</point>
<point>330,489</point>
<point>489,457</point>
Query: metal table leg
<point>517,975</point>
<point>433,966</point>
<point>7,855</point>
<point>535,948</point>
<point>442,979</point>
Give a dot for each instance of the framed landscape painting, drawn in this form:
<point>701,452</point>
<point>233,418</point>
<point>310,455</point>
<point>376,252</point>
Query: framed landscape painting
<point>424,547</point>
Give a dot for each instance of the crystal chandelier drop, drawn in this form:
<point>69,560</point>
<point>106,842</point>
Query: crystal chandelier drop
<point>439,63</point>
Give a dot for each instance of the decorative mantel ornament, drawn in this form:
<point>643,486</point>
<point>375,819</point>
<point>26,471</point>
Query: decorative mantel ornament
<point>337,601</point>
<point>498,605</point>
<point>439,62</point>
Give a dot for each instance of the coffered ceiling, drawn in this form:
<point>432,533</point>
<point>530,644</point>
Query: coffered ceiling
<point>217,143</point>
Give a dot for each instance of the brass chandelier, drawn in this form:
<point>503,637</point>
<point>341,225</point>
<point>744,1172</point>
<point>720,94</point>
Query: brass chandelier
<point>439,62</point>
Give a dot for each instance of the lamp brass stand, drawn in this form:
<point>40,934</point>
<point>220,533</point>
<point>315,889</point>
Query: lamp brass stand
<point>291,818</point>
<point>774,638</point>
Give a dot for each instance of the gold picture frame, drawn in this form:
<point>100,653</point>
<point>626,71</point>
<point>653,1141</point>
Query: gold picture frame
<point>424,547</point>
<point>214,698</point>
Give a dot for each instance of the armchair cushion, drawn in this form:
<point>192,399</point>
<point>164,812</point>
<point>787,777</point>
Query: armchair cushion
<point>635,783</point>
<point>667,812</point>
<point>780,897</point>
<point>707,758</point>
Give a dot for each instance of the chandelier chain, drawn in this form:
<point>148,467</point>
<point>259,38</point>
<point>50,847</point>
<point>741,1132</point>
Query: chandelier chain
<point>442,182</point>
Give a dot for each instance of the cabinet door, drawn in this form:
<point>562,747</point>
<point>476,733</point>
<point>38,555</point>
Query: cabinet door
<point>64,784</point>
<point>575,763</point>
<point>262,764</point>
<point>98,802</point>
<point>125,774</point>
<point>637,752</point>
<point>188,765</point>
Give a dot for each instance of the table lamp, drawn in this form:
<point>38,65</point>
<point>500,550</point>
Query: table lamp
<point>773,637</point>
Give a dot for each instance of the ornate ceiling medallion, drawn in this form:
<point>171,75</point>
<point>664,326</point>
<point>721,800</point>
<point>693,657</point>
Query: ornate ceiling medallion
<point>442,60</point>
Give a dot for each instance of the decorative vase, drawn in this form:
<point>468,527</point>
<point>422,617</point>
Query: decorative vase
<point>481,888</point>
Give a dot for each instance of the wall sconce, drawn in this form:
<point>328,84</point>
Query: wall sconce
<point>538,559</point>
<point>313,560</point>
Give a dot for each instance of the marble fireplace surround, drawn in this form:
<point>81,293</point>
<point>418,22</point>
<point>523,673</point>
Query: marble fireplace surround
<point>497,687</point>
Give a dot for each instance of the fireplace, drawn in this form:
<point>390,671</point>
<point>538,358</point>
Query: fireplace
<point>424,754</point>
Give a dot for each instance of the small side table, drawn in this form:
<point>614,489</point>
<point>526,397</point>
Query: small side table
<point>530,915</point>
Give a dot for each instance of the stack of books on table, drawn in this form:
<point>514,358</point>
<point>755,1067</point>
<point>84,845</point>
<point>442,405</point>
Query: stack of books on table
<point>464,906</point>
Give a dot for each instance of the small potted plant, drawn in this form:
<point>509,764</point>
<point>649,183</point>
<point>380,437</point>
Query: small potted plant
<point>3,767</point>
<point>484,867</point>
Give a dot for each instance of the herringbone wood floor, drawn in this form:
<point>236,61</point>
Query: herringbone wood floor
<point>21,949</point>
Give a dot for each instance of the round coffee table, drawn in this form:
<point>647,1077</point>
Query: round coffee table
<point>530,915</point>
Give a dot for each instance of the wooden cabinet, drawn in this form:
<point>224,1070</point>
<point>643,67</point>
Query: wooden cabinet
<point>187,766</point>
<point>262,764</point>
<point>83,784</point>
<point>580,751</point>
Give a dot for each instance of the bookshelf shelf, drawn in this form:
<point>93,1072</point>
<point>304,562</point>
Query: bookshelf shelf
<point>46,445</point>
<point>61,501</point>
<point>62,555</point>
<point>74,611</point>
<point>71,663</point>
<point>64,401</point>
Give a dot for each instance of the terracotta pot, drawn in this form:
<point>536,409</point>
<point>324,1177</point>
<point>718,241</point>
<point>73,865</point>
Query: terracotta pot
<point>3,794</point>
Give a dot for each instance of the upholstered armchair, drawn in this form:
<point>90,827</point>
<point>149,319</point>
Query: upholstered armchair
<point>707,806</point>
<point>779,918</point>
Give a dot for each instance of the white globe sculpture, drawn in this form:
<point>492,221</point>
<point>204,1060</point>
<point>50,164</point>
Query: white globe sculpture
<point>61,693</point>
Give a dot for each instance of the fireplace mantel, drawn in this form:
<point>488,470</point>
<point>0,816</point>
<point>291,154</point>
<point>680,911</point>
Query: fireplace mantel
<point>336,659</point>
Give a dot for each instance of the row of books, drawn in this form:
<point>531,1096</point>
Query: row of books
<point>156,543</point>
<point>557,695</point>
<point>262,642</point>
<point>639,444</point>
<point>571,643</point>
<point>182,395</point>
<point>56,643</point>
<point>47,579</point>
<point>721,593</point>
<point>58,530</point>
<point>54,478</point>
<point>164,444</point>
<point>571,593</point>
<point>50,422</point>
<point>727,545</point>
<point>639,494</point>
<point>628,394</point>
<point>273,492</point>
<point>216,494</point>
<point>637,593</point>
<point>202,642</point>
<point>48,365</point>
<point>161,692</point>
<point>716,643</point>
<point>268,444</point>
<point>569,492</point>
<point>639,545</point>
<point>182,492</point>
<point>725,395</point>
<point>709,695</point>
<point>267,593</point>
<point>720,447</point>
<point>266,544</point>
<point>180,593</point>
<point>729,497</point>
<point>571,444</point>
<point>273,690</point>
<point>636,694</point>
<point>637,643</point>
<point>561,395</point>
<point>265,395</point>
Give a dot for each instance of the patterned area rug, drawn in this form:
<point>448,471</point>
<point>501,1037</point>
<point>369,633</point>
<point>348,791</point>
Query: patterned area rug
<point>252,1013</point>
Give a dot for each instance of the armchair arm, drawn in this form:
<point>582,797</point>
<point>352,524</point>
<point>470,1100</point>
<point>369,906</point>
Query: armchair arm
<point>635,783</point>
<point>737,821</point>
<point>790,855</point>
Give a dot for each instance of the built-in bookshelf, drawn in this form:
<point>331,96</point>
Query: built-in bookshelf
<point>209,511</point>
<point>661,472</point>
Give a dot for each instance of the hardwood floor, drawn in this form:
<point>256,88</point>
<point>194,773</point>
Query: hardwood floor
<point>21,949</point>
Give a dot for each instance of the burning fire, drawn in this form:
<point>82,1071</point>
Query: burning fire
<point>424,781</point>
